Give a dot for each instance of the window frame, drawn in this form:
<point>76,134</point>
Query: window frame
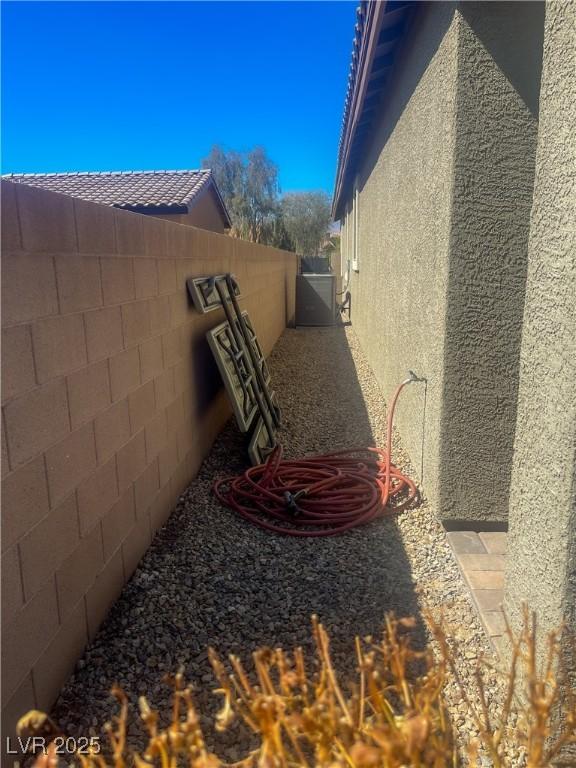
<point>356,228</point>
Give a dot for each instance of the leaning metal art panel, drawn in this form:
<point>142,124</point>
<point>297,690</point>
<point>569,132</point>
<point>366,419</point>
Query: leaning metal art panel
<point>235,372</point>
<point>240,361</point>
<point>274,414</point>
<point>260,444</point>
<point>204,293</point>
<point>236,375</point>
<point>255,345</point>
<point>269,413</point>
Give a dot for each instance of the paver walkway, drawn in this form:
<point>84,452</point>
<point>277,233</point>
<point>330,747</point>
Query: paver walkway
<point>482,557</point>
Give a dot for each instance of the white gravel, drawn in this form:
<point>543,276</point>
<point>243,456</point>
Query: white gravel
<point>210,578</point>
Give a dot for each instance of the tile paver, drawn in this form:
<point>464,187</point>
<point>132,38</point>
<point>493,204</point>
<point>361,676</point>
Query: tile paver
<point>488,599</point>
<point>481,558</point>
<point>485,579</point>
<point>481,562</point>
<point>466,542</point>
<point>494,621</point>
<point>494,541</point>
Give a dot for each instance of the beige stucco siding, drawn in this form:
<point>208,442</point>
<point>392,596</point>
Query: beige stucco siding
<point>440,231</point>
<point>205,213</point>
<point>398,294</point>
<point>499,68</point>
<point>541,567</point>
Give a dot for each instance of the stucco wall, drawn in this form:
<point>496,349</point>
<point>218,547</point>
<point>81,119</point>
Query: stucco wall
<point>398,294</point>
<point>445,191</point>
<point>205,214</point>
<point>110,401</point>
<point>499,67</point>
<point>541,566</point>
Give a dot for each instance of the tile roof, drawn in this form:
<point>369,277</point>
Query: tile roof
<point>140,191</point>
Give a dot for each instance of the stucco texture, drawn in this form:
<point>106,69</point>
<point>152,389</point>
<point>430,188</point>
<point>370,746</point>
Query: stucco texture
<point>398,294</point>
<point>205,213</point>
<point>499,63</point>
<point>541,567</point>
<point>445,194</point>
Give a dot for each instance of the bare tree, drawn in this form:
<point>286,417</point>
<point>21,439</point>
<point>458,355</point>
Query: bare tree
<point>248,183</point>
<point>307,218</point>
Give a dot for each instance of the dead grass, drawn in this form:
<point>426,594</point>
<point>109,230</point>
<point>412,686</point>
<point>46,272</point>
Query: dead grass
<point>392,716</point>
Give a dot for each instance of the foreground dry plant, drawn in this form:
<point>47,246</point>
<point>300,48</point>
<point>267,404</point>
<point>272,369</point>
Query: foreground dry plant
<point>394,716</point>
<point>539,699</point>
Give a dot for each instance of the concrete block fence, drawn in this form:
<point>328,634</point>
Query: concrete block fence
<point>110,401</point>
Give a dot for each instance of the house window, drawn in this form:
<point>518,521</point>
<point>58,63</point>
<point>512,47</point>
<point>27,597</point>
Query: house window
<point>348,240</point>
<point>356,228</point>
<point>342,243</point>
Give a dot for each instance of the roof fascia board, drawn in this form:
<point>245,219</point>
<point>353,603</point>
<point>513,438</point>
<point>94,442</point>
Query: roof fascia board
<point>376,10</point>
<point>150,209</point>
<point>225,215</point>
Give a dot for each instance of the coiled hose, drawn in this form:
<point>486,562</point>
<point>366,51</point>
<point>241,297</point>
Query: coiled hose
<point>321,495</point>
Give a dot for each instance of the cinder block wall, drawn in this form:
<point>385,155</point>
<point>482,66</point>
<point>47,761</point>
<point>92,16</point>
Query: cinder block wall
<point>110,400</point>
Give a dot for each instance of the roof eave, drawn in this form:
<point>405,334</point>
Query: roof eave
<point>375,12</point>
<point>220,200</point>
<point>152,209</point>
<point>375,60</point>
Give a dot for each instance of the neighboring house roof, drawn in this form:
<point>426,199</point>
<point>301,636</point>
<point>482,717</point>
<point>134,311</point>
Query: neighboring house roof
<point>380,28</point>
<point>139,191</point>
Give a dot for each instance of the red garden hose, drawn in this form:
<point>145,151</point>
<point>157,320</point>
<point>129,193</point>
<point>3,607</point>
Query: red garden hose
<point>320,495</point>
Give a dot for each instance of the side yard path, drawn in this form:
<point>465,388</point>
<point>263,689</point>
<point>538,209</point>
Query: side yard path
<point>210,578</point>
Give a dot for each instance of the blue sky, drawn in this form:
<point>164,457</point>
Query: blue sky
<point>152,85</point>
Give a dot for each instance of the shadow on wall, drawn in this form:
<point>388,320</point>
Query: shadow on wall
<point>515,48</point>
<point>397,98</point>
<point>207,381</point>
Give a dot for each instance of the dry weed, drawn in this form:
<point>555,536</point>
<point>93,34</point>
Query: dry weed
<point>394,716</point>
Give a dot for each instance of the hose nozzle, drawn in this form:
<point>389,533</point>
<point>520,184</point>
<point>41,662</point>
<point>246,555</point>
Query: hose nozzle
<point>413,378</point>
<point>291,500</point>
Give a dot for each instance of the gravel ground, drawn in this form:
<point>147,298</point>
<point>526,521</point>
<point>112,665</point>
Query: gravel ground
<point>210,578</point>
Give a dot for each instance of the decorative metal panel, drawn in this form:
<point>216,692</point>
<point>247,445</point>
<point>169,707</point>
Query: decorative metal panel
<point>255,345</point>
<point>235,371</point>
<point>240,361</point>
<point>204,294</point>
<point>260,444</point>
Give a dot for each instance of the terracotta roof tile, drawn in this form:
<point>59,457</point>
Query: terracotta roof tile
<point>134,190</point>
